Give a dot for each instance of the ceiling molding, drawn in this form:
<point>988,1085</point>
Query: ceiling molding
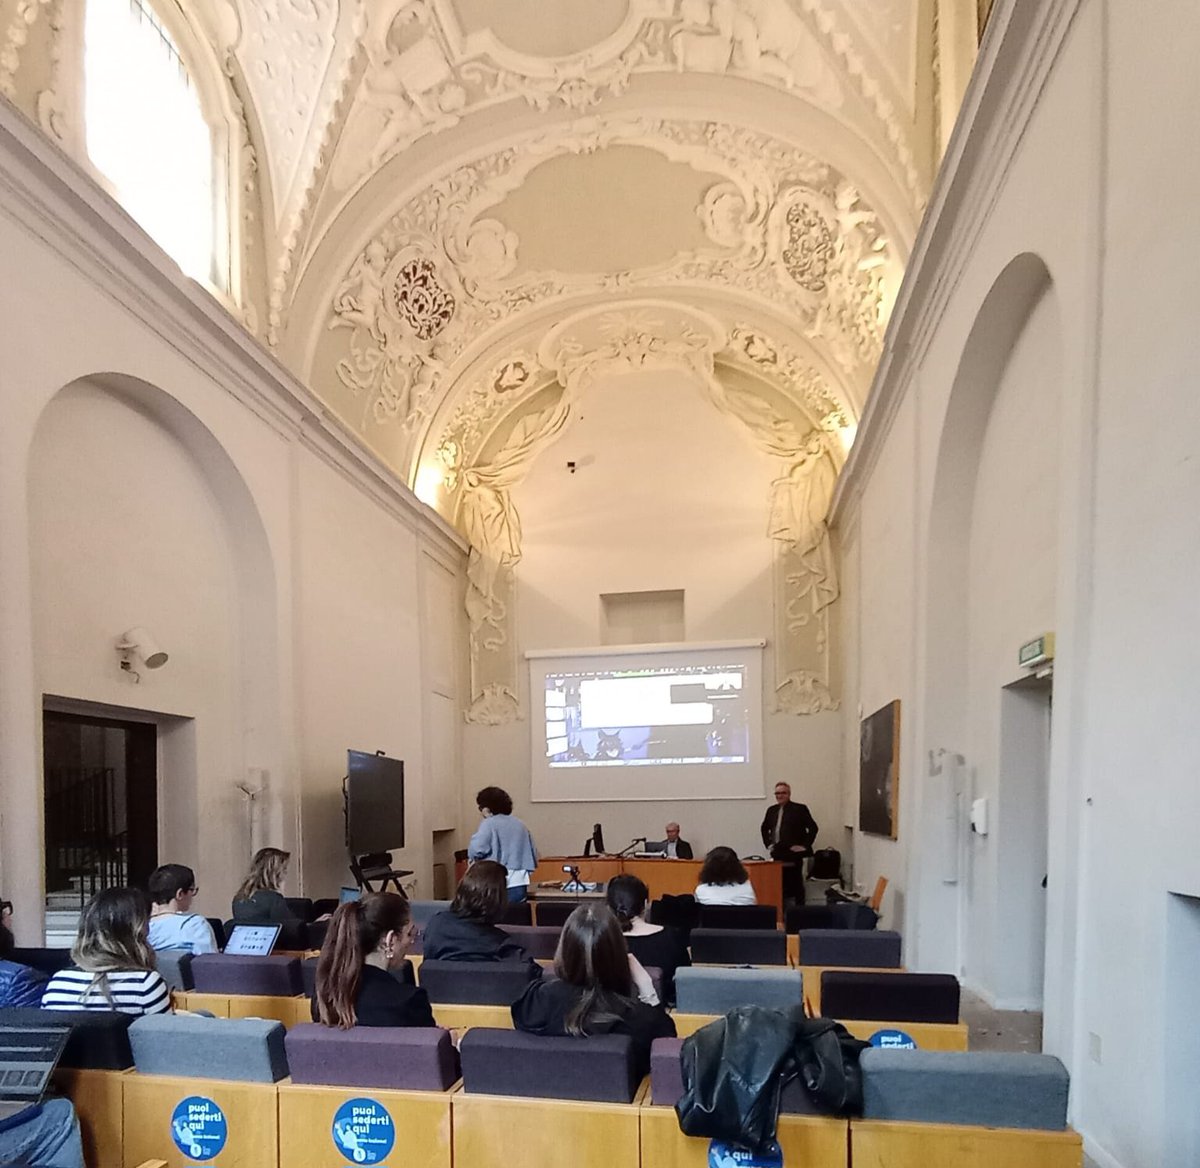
<point>1019,51</point>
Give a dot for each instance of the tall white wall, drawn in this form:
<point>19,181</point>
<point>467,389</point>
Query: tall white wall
<point>158,468</point>
<point>1038,430</point>
<point>668,494</point>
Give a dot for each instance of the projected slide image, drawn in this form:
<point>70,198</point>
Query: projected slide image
<point>648,716</point>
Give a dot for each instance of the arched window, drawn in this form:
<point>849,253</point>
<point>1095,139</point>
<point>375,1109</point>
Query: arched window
<point>147,134</point>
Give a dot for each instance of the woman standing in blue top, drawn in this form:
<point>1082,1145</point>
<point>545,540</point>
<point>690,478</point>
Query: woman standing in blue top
<point>504,838</point>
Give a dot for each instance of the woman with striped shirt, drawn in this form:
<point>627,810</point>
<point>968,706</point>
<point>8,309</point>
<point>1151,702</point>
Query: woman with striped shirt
<point>114,964</point>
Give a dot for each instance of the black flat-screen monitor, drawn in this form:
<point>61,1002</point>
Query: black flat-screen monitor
<point>374,803</point>
<point>595,846</point>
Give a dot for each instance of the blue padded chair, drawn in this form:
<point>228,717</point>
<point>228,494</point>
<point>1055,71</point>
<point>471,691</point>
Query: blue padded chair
<point>874,948</point>
<point>737,916</point>
<point>476,983</point>
<point>892,997</point>
<point>739,946</point>
<point>997,1089</point>
<point>99,1038</point>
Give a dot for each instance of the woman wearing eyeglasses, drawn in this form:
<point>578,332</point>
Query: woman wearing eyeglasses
<point>356,986</point>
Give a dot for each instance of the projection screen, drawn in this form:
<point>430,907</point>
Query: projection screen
<point>646,722</point>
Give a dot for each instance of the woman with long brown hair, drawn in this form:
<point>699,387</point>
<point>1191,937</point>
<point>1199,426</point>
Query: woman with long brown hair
<point>259,900</point>
<point>366,942</point>
<point>724,880</point>
<point>114,964</point>
<point>468,930</point>
<point>597,988</point>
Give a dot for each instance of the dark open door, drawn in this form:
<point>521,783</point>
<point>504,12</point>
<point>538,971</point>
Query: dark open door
<point>101,802</point>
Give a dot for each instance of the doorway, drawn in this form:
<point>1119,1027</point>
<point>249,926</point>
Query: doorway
<point>1023,810</point>
<point>101,802</point>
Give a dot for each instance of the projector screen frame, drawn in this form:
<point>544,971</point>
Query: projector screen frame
<point>546,783</point>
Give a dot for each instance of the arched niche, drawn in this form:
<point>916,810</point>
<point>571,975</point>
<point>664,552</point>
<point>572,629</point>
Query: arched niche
<point>138,516</point>
<point>1014,341</point>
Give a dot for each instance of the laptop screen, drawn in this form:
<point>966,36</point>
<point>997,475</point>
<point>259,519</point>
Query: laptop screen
<point>252,940</point>
<point>349,894</point>
<point>28,1055</point>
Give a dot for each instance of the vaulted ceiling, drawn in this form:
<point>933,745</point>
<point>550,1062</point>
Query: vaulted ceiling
<point>433,187</point>
<point>449,179</point>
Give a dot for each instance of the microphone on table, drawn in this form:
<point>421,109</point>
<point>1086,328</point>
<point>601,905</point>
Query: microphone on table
<point>637,839</point>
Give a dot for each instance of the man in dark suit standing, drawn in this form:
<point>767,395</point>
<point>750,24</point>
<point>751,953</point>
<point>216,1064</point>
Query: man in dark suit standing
<point>788,831</point>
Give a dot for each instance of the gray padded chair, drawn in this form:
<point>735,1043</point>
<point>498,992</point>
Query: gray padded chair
<point>980,1088</point>
<point>422,910</point>
<point>508,1062</point>
<point>875,948</point>
<point>248,1050</point>
<point>382,1057</point>
<point>175,966</point>
<point>716,991</point>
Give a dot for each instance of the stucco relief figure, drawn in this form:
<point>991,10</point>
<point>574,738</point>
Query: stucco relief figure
<point>764,38</point>
<point>407,90</point>
<point>359,296</point>
<point>492,526</point>
<point>799,504</point>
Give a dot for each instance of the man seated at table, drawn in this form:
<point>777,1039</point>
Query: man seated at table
<point>672,847</point>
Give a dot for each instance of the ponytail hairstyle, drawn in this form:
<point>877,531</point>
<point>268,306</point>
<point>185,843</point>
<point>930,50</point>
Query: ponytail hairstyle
<point>592,955</point>
<point>267,872</point>
<point>355,931</point>
<point>112,937</point>
<point>627,898</point>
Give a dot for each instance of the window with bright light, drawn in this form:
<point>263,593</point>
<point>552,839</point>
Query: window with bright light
<point>147,133</point>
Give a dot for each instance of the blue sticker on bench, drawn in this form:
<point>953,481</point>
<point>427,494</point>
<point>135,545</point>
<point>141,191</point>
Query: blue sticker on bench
<point>198,1128</point>
<point>363,1131</point>
<point>893,1040</point>
<point>723,1155</point>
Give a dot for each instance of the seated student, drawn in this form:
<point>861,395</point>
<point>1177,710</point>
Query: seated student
<point>44,1135</point>
<point>173,925</point>
<point>259,901</point>
<point>467,931</point>
<point>652,945</point>
<point>367,939</point>
<point>723,880</point>
<point>114,964</point>
<point>598,988</point>
<point>19,985</point>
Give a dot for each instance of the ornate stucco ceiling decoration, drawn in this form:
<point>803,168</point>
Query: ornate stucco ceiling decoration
<point>432,69</point>
<point>780,234</point>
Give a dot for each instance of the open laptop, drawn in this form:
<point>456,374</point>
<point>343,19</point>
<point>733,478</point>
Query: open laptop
<point>28,1056</point>
<point>346,894</point>
<point>252,940</point>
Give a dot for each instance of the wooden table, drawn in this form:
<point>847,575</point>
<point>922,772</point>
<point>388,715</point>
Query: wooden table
<point>661,876</point>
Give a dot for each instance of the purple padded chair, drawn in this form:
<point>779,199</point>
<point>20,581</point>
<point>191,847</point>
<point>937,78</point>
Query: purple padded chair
<point>383,1057</point>
<point>227,973</point>
<point>666,1081</point>
<point>508,1062</point>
